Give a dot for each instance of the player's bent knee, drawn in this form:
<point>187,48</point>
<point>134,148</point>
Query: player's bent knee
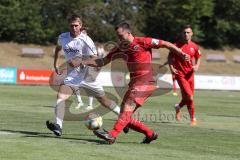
<point>63,96</point>
<point>65,90</point>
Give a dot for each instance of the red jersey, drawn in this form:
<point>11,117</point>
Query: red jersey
<point>180,64</point>
<point>138,56</point>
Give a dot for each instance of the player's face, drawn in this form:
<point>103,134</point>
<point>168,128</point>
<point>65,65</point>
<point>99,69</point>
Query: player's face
<point>75,28</point>
<point>122,34</point>
<point>187,34</point>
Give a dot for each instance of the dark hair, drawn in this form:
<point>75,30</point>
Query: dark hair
<point>186,26</point>
<point>123,25</point>
<point>74,17</point>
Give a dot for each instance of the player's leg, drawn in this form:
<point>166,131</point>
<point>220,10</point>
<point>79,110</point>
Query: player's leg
<point>96,90</point>
<point>90,103</point>
<point>125,120</point>
<point>182,82</point>
<point>63,94</point>
<point>187,94</point>
<point>138,126</point>
<point>110,104</point>
<point>79,99</point>
<point>174,85</point>
<point>190,105</point>
<point>136,95</point>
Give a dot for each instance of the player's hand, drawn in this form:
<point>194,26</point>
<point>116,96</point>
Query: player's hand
<point>186,57</point>
<point>57,71</point>
<point>173,70</point>
<point>195,68</point>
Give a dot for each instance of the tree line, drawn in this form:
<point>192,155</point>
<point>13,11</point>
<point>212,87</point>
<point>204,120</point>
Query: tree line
<point>215,22</point>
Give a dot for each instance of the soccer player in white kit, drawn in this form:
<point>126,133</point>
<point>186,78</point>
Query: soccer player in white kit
<point>77,44</point>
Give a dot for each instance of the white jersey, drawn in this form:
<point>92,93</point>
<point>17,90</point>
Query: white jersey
<point>83,47</point>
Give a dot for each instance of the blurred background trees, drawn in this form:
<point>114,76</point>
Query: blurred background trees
<point>215,22</point>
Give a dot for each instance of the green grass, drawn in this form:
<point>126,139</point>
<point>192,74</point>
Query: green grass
<point>23,135</point>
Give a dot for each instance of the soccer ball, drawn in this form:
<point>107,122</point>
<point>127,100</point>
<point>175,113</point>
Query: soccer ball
<point>93,121</point>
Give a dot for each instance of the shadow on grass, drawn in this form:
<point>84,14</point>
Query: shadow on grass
<point>47,106</point>
<point>30,134</point>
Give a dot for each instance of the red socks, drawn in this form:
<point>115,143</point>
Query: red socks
<point>124,120</point>
<point>190,106</point>
<point>140,127</point>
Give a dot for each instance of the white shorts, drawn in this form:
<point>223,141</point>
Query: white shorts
<point>86,79</point>
<point>92,88</point>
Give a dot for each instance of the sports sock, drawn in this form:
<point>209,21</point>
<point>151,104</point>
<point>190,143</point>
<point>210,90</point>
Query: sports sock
<point>191,110</point>
<point>59,111</point>
<point>140,127</point>
<point>114,107</point>
<point>90,101</point>
<point>123,119</point>
<point>79,98</point>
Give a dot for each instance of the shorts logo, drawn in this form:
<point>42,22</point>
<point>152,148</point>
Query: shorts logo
<point>155,42</point>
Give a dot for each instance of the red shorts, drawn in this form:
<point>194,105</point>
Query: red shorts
<point>186,83</point>
<point>139,91</point>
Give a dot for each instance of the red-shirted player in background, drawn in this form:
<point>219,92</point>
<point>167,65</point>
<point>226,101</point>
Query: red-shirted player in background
<point>184,71</point>
<point>136,51</point>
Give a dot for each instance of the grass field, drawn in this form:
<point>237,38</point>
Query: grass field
<point>23,135</point>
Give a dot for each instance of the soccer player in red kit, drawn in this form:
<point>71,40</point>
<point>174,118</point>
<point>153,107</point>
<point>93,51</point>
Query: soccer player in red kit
<point>184,71</point>
<point>136,51</point>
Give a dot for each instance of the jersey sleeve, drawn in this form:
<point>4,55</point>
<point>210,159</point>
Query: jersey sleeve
<point>152,42</point>
<point>91,48</point>
<point>59,42</point>
<point>197,52</point>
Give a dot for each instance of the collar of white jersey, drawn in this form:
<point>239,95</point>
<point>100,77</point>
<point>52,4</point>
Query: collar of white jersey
<point>81,36</point>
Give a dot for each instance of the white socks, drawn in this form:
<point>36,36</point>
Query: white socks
<point>79,99</point>
<point>115,108</point>
<point>60,111</point>
<point>90,101</point>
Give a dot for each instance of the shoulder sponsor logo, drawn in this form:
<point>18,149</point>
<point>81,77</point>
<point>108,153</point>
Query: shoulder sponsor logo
<point>136,47</point>
<point>155,42</point>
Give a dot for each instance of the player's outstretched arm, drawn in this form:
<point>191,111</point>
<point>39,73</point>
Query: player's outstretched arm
<point>97,62</point>
<point>56,58</point>
<point>90,62</point>
<point>175,50</point>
